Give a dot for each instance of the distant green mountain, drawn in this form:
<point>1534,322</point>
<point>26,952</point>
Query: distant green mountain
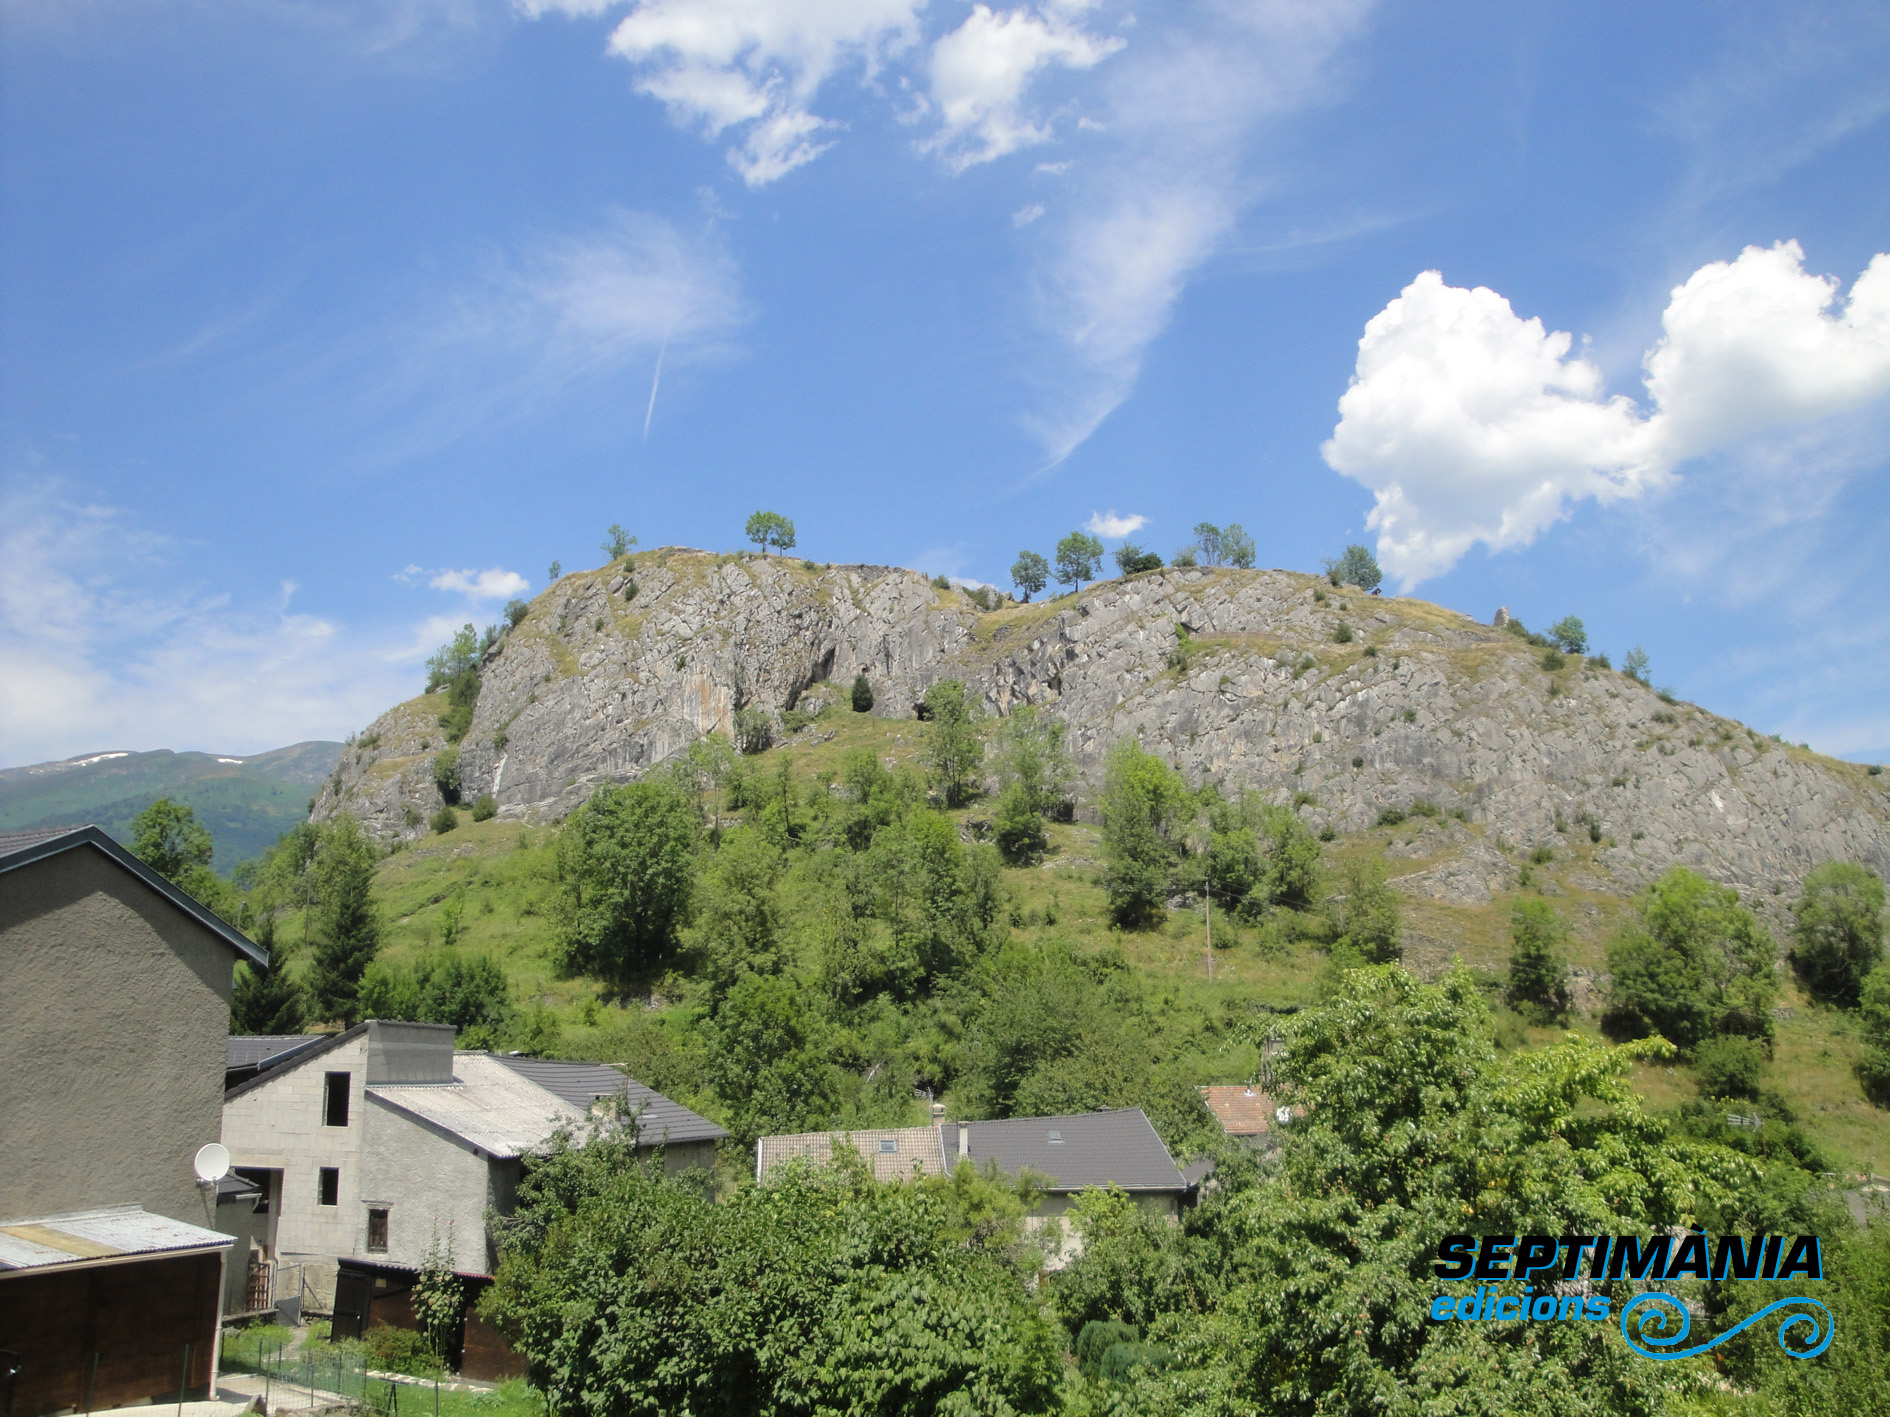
<point>246,802</point>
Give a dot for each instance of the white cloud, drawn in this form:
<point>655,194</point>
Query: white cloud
<point>1024,216</point>
<point>1470,424</point>
<point>104,649</point>
<point>494,584</point>
<point>1166,186</point>
<point>978,74</point>
<point>721,64</point>
<point>1112,526</point>
<point>1748,346</point>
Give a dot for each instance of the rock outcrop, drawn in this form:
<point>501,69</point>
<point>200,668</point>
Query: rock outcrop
<point>1264,680</point>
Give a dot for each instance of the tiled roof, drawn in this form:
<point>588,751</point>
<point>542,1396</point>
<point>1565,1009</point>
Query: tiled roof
<point>249,1050</point>
<point>892,1152</point>
<point>1113,1148</point>
<point>659,1120</point>
<point>111,1233</point>
<point>1241,1111</point>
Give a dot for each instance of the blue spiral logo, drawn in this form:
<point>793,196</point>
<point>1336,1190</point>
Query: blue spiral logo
<point>1653,1322</point>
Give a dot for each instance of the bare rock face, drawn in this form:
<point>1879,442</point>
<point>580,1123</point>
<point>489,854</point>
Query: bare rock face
<point>614,672</point>
<point>1242,677</point>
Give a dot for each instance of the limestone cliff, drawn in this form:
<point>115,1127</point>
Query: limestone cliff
<point>1240,676</point>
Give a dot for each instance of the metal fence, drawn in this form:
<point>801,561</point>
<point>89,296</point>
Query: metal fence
<point>315,1376</point>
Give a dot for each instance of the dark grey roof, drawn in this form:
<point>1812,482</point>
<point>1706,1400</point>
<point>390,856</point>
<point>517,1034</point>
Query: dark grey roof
<point>251,1050</point>
<point>24,848</point>
<point>324,1043</point>
<point>1116,1148</point>
<point>581,1084</point>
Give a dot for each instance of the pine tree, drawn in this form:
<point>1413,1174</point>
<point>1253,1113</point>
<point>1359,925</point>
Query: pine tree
<point>267,1001</point>
<point>349,929</point>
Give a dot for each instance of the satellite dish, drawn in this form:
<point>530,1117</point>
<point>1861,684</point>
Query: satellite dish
<point>212,1163</point>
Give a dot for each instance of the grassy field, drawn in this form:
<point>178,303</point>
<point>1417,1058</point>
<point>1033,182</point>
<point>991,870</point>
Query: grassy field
<point>491,884</point>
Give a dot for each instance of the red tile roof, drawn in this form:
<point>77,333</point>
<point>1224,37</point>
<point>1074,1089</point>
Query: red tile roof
<point>1241,1111</point>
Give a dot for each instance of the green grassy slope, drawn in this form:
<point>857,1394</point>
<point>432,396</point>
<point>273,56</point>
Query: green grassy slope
<point>246,802</point>
<point>500,878</point>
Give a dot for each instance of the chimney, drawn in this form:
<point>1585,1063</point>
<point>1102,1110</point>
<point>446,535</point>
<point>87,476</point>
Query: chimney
<point>964,1139</point>
<point>938,1113</point>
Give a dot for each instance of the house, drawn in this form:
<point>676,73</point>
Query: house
<point>1067,1154</point>
<point>1247,1114</point>
<point>114,1006</point>
<point>376,1144</point>
<point>893,1153</point>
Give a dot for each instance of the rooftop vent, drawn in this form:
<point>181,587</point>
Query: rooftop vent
<point>1056,1136</point>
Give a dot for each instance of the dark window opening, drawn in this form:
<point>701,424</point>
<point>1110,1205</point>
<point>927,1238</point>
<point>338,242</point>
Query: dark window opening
<point>331,1185</point>
<point>335,1100</point>
<point>377,1230</point>
<point>888,1144</point>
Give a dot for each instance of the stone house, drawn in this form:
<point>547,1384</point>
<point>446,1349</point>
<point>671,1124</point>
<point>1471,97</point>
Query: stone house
<point>377,1142</point>
<point>1068,1154</point>
<point>1247,1114</point>
<point>114,1006</point>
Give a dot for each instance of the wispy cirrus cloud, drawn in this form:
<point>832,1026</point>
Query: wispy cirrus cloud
<point>1162,185</point>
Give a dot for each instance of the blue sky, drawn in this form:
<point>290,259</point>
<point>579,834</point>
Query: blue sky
<point>324,327</point>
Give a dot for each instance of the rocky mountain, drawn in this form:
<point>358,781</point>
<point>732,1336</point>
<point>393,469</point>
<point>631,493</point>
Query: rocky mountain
<point>247,802</point>
<point>1349,705</point>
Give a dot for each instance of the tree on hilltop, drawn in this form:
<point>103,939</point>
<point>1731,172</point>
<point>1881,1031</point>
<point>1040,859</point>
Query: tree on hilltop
<point>1030,573</point>
<point>767,529</point>
<point>1356,567</point>
<point>617,543</point>
<point>1078,556</point>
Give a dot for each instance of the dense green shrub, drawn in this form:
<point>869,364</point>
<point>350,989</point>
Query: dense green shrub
<point>862,696</point>
<point>1342,635</point>
<point>443,821</point>
<point>1537,987</point>
<point>1838,931</point>
<point>1146,809</point>
<point>1728,1066</point>
<point>446,774</point>
<point>1570,635</point>
<point>626,868</point>
<point>485,807</point>
<point>515,612</point>
<point>1692,965</point>
<point>1133,560</point>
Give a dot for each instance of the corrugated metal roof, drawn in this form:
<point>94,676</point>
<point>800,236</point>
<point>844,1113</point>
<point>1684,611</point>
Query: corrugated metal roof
<point>111,1233</point>
<point>909,1147</point>
<point>1114,1148</point>
<point>488,1105</point>
<point>659,1120</point>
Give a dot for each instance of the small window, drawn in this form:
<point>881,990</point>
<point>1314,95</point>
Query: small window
<point>335,1100</point>
<point>1056,1136</point>
<point>377,1230</point>
<point>331,1185</point>
<point>889,1144</point>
